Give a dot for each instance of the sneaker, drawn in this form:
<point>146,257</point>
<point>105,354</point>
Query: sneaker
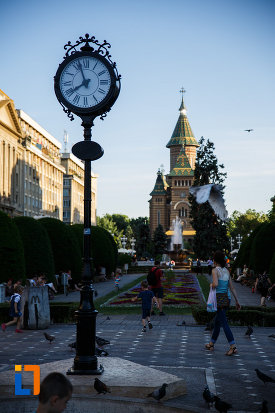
<point>143,330</point>
<point>161,313</point>
<point>150,325</point>
<point>3,326</point>
<point>18,330</point>
<point>153,312</point>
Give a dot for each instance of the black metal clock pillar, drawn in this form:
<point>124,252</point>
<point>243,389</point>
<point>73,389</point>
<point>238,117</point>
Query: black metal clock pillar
<point>87,84</point>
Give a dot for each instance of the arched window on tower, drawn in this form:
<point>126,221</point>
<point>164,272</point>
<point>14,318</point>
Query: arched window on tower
<point>158,218</point>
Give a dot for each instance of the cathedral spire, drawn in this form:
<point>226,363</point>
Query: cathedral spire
<point>182,134</point>
<point>160,185</point>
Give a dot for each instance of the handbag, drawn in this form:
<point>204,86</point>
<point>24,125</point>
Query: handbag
<point>222,300</point>
<point>212,301</point>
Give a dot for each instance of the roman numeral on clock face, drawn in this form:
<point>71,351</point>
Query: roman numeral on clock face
<point>102,72</point>
<point>69,92</point>
<point>86,63</point>
<point>67,83</point>
<point>76,99</point>
<point>85,100</point>
<point>103,82</point>
<point>95,98</point>
<point>102,91</point>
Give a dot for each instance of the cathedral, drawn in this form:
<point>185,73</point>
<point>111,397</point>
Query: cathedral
<point>169,198</point>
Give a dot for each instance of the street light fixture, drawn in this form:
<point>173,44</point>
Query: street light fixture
<point>87,84</point>
<point>123,241</point>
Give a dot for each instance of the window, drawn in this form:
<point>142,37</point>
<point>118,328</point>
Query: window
<point>66,214</point>
<point>66,192</point>
<point>158,218</point>
<point>66,182</point>
<point>66,203</point>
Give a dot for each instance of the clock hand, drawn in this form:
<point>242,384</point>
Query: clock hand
<point>85,83</point>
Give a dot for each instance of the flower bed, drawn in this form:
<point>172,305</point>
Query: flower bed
<point>179,291</point>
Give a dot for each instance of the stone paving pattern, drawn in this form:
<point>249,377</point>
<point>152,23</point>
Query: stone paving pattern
<point>178,350</point>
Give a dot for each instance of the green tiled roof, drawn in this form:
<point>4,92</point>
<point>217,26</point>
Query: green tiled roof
<point>160,185</point>
<point>182,167</point>
<point>182,134</point>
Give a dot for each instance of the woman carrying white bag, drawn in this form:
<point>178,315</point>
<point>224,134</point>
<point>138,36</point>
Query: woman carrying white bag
<point>219,299</point>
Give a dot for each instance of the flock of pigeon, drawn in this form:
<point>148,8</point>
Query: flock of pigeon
<point>220,405</point>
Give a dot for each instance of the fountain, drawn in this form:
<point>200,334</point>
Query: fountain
<point>176,244</point>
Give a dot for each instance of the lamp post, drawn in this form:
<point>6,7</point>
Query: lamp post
<point>239,240</point>
<point>87,84</point>
<point>231,243</point>
<point>133,241</point>
<point>123,241</point>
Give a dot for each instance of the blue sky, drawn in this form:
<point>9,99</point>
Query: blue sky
<point>221,52</point>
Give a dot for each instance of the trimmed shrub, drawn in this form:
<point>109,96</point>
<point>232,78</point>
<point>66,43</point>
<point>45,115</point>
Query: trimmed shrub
<point>37,247</point>
<point>263,248</point>
<point>11,250</point>
<point>103,246</point>
<point>244,253</point>
<point>246,316</point>
<point>123,259</point>
<point>65,247</point>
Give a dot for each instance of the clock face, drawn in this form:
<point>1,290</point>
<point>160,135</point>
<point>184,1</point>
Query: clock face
<point>85,82</point>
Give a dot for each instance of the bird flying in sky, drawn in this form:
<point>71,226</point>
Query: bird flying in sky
<point>248,130</point>
<point>212,194</point>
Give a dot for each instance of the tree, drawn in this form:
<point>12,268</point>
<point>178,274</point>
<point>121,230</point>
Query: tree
<point>11,250</point>
<point>263,248</point>
<point>37,247</point>
<point>160,241</point>
<point>210,230</point>
<point>244,224</point>
<point>66,251</point>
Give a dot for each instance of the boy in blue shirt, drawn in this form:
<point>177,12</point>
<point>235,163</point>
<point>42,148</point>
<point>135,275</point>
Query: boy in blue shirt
<point>146,296</point>
<point>15,309</point>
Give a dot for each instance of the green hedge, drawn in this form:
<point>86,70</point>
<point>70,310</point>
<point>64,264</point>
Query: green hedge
<point>66,251</point>
<point>256,316</point>
<point>37,247</point>
<point>12,261</point>
<point>263,248</point>
<point>103,246</point>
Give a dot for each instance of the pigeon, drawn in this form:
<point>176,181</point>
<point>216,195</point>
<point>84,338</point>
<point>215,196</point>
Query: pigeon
<point>249,331</point>
<point>108,318</point>
<point>183,323</point>
<point>101,341</point>
<point>159,393</point>
<point>248,130</point>
<point>49,338</point>
<point>212,194</point>
<point>264,408</point>
<point>100,352</point>
<point>264,377</point>
<point>272,335</point>
<point>221,406</point>
<point>208,396</point>
<point>101,387</point>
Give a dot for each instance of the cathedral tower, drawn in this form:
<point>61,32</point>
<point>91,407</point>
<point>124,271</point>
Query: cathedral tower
<point>170,196</point>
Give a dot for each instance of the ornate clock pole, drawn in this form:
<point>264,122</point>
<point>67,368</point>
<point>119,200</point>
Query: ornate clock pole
<point>87,84</point>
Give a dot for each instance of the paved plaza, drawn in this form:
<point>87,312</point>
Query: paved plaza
<point>178,350</point>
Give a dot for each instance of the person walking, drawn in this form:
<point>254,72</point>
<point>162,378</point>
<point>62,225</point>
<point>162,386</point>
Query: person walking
<point>221,281</point>
<point>262,284</point>
<point>147,298</point>
<point>157,287</point>
<point>15,309</point>
<point>198,266</point>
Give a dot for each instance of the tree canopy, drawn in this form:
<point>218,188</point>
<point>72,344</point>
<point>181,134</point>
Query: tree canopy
<point>210,230</point>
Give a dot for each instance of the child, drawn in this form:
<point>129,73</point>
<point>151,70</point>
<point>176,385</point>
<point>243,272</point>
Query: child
<point>117,278</point>
<point>55,391</point>
<point>15,309</point>
<point>146,296</point>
